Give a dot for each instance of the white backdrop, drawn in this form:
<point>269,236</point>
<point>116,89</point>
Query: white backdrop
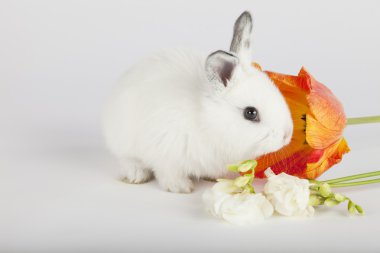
<point>58,61</point>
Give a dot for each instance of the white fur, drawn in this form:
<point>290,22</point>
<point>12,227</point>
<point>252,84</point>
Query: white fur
<point>165,116</point>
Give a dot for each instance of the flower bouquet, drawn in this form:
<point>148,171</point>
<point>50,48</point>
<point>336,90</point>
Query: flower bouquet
<point>291,188</point>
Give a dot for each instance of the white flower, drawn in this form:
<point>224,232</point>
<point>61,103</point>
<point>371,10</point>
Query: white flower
<point>214,197</point>
<point>289,195</point>
<point>225,200</point>
<point>245,208</point>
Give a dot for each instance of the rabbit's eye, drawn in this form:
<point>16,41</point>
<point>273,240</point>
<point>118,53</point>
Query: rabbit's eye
<point>251,113</point>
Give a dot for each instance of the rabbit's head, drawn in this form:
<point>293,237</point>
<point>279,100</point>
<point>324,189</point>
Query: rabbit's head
<point>243,111</point>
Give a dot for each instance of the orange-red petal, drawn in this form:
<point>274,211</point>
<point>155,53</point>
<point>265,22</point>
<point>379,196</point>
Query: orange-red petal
<point>329,157</point>
<point>318,119</point>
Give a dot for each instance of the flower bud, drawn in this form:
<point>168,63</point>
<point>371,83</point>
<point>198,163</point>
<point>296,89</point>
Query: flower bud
<point>359,209</point>
<point>351,207</point>
<point>314,187</point>
<point>339,197</point>
<point>315,200</point>
<point>242,181</point>
<point>248,165</point>
<point>325,190</point>
<point>331,202</point>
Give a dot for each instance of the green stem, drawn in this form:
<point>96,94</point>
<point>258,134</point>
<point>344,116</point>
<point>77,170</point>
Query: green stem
<point>363,120</point>
<point>349,178</point>
<point>373,181</point>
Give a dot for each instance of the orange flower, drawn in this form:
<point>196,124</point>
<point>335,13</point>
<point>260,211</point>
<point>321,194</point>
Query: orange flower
<point>319,120</point>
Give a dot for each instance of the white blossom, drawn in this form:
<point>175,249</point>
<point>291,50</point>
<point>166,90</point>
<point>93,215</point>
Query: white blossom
<point>245,208</point>
<point>213,198</point>
<point>289,195</point>
<point>226,201</point>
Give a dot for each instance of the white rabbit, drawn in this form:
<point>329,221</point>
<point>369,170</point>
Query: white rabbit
<point>180,116</point>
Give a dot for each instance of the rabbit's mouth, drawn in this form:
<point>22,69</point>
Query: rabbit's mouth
<point>268,144</point>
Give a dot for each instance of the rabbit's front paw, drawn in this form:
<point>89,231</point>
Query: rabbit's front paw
<point>175,184</point>
<point>133,172</point>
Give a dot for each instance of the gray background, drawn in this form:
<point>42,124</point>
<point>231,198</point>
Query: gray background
<point>58,61</point>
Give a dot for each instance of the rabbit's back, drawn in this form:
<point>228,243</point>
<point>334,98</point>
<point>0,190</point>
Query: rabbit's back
<point>155,101</point>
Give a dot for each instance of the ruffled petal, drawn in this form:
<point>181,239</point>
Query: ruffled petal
<point>326,158</point>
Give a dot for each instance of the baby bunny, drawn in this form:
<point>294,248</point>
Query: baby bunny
<point>179,115</point>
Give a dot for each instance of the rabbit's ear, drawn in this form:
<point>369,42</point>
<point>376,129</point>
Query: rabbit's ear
<point>220,66</point>
<point>241,43</point>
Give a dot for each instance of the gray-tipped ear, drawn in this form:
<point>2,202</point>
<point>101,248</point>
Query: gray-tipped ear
<point>220,66</point>
<point>241,43</point>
